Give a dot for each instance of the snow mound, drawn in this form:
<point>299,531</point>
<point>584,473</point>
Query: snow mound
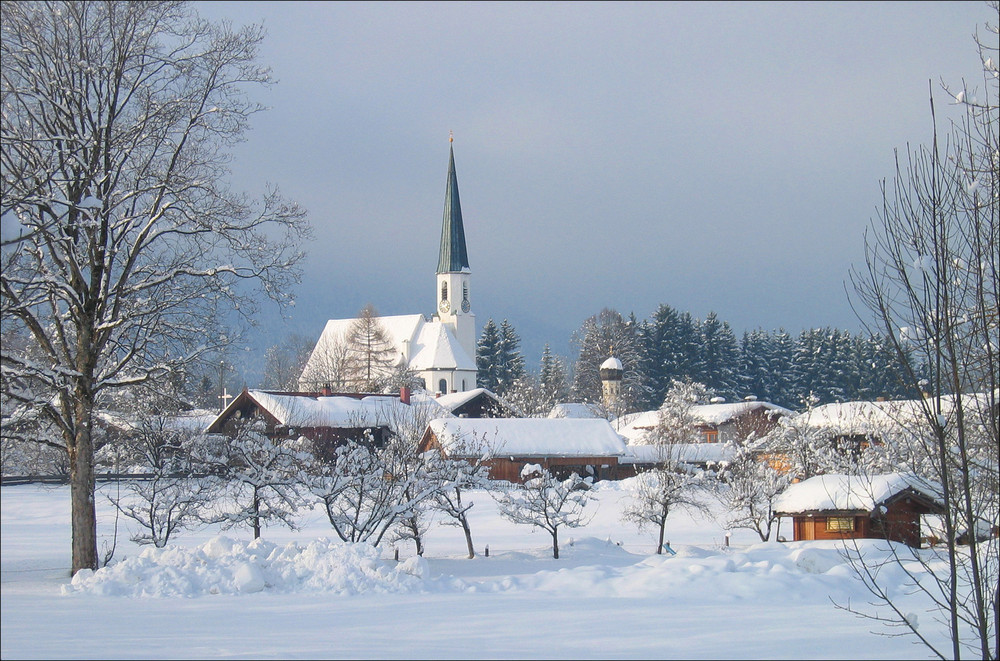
<point>588,568</point>
<point>226,566</point>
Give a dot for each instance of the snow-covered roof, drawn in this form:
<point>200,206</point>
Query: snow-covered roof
<point>836,492</point>
<point>634,426</point>
<point>717,414</point>
<point>692,453</point>
<point>576,410</point>
<point>436,347</point>
<point>529,437</point>
<point>345,412</point>
<point>428,344</point>
<point>860,417</point>
<point>865,417</point>
<point>453,400</point>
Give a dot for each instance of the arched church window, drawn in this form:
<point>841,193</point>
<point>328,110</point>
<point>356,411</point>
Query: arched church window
<point>443,386</point>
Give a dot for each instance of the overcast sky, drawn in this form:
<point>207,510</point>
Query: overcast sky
<point>711,156</point>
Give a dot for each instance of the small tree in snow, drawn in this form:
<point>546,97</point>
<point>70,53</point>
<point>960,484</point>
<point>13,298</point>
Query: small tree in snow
<point>455,477</point>
<point>657,492</point>
<point>747,488</point>
<point>264,477</point>
<point>676,420</point>
<point>367,491</point>
<point>168,499</point>
<point>547,502</point>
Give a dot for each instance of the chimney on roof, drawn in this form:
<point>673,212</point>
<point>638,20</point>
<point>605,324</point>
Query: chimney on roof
<point>326,391</point>
<point>404,395</point>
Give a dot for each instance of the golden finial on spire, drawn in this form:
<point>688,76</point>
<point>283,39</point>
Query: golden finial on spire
<point>451,136</point>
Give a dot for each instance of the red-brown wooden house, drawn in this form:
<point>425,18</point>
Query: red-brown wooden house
<point>887,506</point>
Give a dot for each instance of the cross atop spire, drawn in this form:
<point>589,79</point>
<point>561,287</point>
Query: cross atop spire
<point>453,257</point>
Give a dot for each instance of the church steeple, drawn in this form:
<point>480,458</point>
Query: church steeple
<point>453,257</point>
<point>454,304</point>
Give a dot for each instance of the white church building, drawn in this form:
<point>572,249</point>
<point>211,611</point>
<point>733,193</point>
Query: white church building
<point>440,350</point>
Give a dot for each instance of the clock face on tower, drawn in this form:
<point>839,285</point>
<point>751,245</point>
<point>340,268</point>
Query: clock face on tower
<point>465,305</point>
<point>444,306</point>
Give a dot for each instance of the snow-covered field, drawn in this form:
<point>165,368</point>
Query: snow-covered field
<point>300,594</point>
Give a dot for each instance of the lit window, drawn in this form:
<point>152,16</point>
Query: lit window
<point>840,524</point>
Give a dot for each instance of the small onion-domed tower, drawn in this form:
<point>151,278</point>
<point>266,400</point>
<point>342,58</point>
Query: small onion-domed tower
<point>611,382</point>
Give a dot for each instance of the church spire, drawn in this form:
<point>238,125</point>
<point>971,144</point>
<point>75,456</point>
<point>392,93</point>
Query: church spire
<point>453,257</point>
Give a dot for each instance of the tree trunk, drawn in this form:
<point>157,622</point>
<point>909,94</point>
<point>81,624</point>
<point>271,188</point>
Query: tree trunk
<point>83,513</point>
<point>468,536</point>
<point>555,543</point>
<point>255,519</point>
<point>659,547</point>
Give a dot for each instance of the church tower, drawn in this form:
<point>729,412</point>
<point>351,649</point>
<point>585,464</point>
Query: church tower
<point>454,305</point>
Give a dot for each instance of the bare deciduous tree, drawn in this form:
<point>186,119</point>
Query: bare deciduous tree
<point>547,502</point>
<point>370,352</point>
<point>657,492</point>
<point>455,476</point>
<point>283,363</point>
<point>931,280</point>
<point>747,489</point>
<point>263,478</point>
<point>122,245</point>
<point>153,438</point>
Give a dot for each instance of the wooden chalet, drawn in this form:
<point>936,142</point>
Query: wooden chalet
<point>841,507</point>
<point>718,423</point>
<point>328,419</point>
<point>587,447</point>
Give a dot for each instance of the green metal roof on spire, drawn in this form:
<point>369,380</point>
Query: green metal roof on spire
<point>453,256</point>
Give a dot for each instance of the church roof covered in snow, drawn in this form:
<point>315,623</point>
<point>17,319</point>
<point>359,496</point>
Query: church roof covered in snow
<point>846,493</point>
<point>423,344</point>
<point>528,437</point>
<point>436,347</point>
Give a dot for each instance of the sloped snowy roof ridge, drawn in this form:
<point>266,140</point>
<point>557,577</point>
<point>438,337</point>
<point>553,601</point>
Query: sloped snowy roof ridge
<point>541,437</point>
<point>839,492</point>
<point>343,411</point>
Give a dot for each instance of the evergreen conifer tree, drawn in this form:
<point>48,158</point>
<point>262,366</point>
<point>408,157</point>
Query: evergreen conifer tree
<point>510,361</point>
<point>488,357</point>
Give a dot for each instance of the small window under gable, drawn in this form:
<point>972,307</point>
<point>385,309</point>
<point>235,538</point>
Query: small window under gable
<point>712,436</point>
